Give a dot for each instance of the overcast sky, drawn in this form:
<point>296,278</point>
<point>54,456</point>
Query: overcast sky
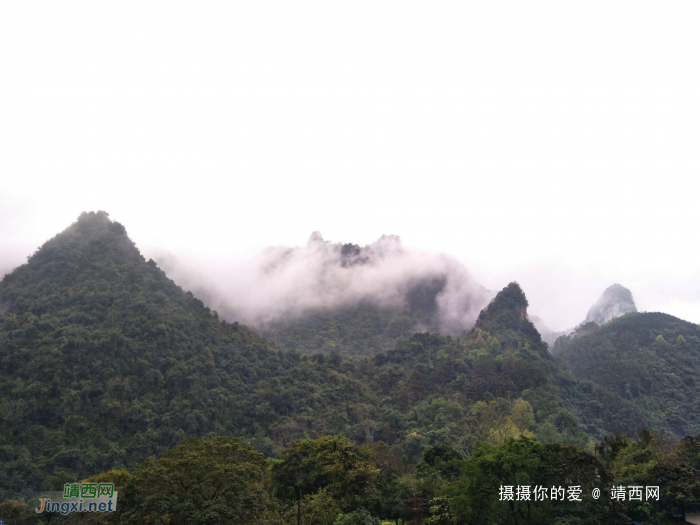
<point>554,143</point>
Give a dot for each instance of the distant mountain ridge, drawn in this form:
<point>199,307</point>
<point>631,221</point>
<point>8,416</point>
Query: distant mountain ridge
<point>615,301</point>
<point>359,300</point>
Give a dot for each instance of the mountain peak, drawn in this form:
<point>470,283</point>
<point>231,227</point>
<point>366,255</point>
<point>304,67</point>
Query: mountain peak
<point>93,234</point>
<point>93,255</point>
<point>507,315</point>
<point>509,306</point>
<point>96,223</point>
<point>615,301</point>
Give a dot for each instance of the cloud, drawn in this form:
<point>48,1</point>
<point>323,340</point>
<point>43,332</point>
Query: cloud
<point>285,282</point>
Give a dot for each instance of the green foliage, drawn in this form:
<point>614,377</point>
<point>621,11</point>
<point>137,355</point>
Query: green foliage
<point>357,517</point>
<point>646,361</point>
<point>219,480</point>
<point>17,512</point>
<point>475,497</point>
<point>362,329</point>
<point>105,362</point>
<point>651,461</point>
<point>523,415</point>
<point>440,513</point>
<point>333,464</point>
<point>215,480</point>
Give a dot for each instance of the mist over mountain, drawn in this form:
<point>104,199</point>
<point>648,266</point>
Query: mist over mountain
<point>549,336</point>
<point>615,301</point>
<point>106,362</point>
<point>283,285</point>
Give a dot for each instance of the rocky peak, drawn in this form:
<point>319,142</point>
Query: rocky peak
<point>614,302</point>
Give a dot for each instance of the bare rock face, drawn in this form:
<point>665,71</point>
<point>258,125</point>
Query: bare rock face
<point>615,302</point>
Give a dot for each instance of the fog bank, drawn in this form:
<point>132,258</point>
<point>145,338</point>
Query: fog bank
<point>286,282</point>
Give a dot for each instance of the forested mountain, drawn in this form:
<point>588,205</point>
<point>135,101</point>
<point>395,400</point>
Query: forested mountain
<point>650,359</point>
<point>362,328</point>
<point>104,361</point>
<point>328,296</point>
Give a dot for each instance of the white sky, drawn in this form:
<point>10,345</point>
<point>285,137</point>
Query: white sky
<point>556,143</point>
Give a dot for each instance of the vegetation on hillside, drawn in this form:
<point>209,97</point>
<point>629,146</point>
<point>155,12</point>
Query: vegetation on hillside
<point>105,362</point>
<point>362,328</point>
<point>330,481</point>
<point>650,360</point>
<point>354,330</point>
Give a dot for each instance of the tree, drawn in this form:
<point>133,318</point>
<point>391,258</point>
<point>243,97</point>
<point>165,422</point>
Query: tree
<point>210,481</point>
<point>17,512</point>
<point>475,497</point>
<point>523,415</point>
<point>357,517</point>
<point>330,463</point>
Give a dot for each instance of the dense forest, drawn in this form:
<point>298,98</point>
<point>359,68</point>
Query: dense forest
<point>354,330</point>
<point>650,359</point>
<point>330,480</point>
<point>362,311</point>
<point>109,369</point>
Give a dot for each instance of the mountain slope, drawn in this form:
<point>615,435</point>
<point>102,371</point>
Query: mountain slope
<point>616,300</point>
<point>648,359</point>
<point>105,361</point>
<point>339,297</point>
<point>567,404</point>
<point>366,327</point>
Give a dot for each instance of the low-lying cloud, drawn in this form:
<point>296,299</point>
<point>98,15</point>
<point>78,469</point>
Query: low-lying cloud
<point>283,283</point>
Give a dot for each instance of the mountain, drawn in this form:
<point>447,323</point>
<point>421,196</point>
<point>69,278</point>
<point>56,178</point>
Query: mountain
<point>364,328</point>
<point>367,327</point>
<point>615,301</point>
<point>648,359</point>
<point>106,361</point>
<point>328,296</point>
